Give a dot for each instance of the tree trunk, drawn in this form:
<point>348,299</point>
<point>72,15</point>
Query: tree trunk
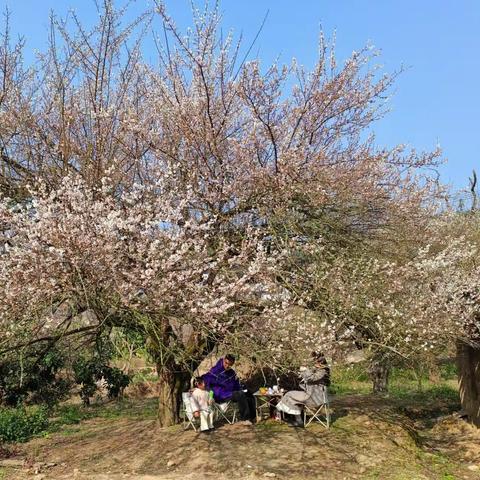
<point>468,362</point>
<point>174,378</point>
<point>379,372</point>
<point>434,374</point>
<point>171,384</point>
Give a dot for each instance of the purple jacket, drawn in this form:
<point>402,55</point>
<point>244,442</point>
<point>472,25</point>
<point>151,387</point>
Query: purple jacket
<point>222,382</point>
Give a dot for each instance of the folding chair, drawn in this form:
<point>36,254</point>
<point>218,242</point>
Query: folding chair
<point>226,410</point>
<point>186,412</point>
<point>320,413</point>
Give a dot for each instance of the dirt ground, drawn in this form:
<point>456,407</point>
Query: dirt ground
<point>370,438</point>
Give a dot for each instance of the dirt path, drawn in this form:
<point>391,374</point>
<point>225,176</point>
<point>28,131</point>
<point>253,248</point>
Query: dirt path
<point>369,439</point>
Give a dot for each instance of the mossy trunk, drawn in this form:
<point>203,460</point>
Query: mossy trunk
<point>468,362</point>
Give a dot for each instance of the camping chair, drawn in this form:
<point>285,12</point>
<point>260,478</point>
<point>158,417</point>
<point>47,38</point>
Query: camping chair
<point>226,410</point>
<point>186,412</point>
<point>320,413</point>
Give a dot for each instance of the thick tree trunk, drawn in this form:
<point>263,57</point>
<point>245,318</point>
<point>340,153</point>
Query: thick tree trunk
<point>379,374</point>
<point>171,384</point>
<point>167,409</point>
<point>173,378</point>
<point>468,362</point>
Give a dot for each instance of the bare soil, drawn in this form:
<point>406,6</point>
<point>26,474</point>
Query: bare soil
<point>370,438</point>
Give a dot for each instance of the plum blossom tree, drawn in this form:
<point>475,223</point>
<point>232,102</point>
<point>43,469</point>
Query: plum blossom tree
<point>206,201</point>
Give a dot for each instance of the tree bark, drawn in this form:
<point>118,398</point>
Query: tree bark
<point>379,374</point>
<point>174,377</point>
<point>468,362</point>
<point>171,384</point>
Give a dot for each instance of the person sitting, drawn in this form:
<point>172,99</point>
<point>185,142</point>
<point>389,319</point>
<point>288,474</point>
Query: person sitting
<point>201,405</point>
<point>223,380</point>
<point>315,379</point>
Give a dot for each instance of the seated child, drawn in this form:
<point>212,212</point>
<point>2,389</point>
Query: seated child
<point>201,405</point>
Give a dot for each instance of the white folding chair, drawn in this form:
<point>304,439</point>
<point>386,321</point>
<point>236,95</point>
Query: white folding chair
<point>320,413</point>
<point>186,412</point>
<point>226,410</point>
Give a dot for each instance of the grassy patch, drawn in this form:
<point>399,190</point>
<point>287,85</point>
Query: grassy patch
<point>21,424</point>
<point>434,465</point>
<point>143,410</point>
<point>350,379</point>
<point>443,467</point>
<point>68,415</point>
<point>73,414</point>
<point>65,417</point>
<point>429,393</point>
<point>405,384</point>
<point>350,387</point>
<point>67,431</point>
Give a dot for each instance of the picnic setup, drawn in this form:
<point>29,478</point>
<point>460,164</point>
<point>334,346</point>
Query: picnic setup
<point>219,397</point>
<point>266,399</point>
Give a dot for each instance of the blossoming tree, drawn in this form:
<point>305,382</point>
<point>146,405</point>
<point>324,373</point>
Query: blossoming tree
<point>206,201</point>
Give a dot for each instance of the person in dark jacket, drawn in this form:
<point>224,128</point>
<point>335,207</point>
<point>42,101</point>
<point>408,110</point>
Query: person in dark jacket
<point>223,380</point>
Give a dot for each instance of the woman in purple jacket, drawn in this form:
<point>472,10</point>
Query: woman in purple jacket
<point>223,380</point>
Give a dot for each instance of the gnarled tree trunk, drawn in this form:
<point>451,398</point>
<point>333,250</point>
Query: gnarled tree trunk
<point>468,362</point>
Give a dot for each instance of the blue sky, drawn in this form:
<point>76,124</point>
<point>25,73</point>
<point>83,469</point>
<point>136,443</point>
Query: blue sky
<point>437,98</point>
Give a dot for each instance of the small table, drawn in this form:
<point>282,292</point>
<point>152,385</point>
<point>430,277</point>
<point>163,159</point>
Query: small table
<point>265,401</point>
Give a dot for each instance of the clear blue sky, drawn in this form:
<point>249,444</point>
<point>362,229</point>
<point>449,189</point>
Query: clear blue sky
<point>437,99</point>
